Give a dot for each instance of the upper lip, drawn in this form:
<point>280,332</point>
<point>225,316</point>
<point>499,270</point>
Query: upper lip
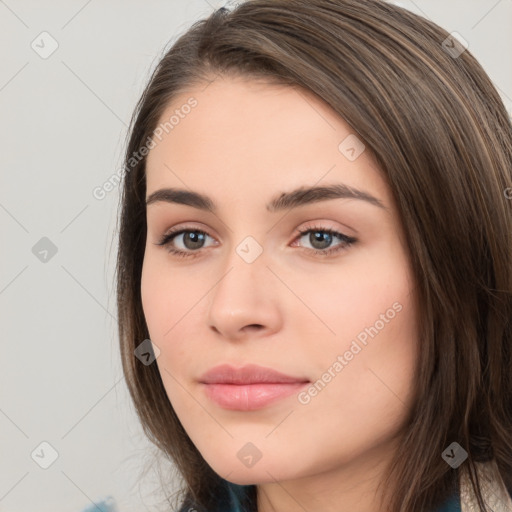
<point>248,374</point>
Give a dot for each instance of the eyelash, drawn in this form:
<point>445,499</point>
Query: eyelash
<point>347,241</point>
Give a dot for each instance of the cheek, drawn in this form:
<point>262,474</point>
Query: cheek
<point>380,297</point>
<point>372,311</point>
<point>166,296</point>
<point>154,298</point>
<point>378,381</point>
<point>341,304</point>
<point>171,305</point>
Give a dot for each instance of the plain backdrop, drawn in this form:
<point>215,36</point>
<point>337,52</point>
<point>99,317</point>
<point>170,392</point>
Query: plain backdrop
<point>71,73</point>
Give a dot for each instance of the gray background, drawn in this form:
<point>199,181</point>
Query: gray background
<point>63,124</point>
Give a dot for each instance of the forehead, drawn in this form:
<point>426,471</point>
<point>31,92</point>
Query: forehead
<point>235,134</point>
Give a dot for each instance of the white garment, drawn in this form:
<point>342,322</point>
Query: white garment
<point>494,492</point>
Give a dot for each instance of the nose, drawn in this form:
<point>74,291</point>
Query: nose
<point>245,300</point>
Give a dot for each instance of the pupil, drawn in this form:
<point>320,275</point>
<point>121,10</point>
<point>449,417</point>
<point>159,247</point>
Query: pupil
<point>195,237</point>
<point>320,236</point>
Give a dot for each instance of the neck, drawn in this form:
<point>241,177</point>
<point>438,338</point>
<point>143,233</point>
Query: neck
<point>345,488</point>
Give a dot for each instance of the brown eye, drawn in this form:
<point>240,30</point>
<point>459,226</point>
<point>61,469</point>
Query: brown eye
<point>321,240</point>
<point>193,239</point>
<point>188,241</point>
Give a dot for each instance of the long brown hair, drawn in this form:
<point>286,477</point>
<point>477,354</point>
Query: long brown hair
<point>443,139</point>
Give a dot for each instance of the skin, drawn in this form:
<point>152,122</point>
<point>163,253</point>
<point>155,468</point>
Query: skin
<point>245,142</point>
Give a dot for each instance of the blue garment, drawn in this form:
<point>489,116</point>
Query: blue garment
<point>236,497</point>
<point>237,492</point>
<point>452,504</point>
<point>107,504</point>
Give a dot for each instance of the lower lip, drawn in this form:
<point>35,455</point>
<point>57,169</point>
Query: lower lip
<point>250,397</point>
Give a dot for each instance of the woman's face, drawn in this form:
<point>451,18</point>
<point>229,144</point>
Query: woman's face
<point>333,308</point>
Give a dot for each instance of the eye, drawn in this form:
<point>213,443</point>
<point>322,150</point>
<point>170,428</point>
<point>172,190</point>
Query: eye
<point>192,240</point>
<point>188,242</point>
<point>321,240</point>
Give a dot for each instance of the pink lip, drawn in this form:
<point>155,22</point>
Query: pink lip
<point>250,387</point>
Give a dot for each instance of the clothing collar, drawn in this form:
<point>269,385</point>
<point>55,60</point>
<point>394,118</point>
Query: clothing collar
<point>496,496</point>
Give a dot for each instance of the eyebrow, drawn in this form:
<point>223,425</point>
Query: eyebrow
<point>286,200</point>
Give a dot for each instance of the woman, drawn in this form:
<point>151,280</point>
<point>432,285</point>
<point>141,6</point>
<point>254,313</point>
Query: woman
<point>315,235</point>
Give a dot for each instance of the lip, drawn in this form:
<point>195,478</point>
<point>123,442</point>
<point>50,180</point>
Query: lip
<point>247,374</point>
<point>250,387</point>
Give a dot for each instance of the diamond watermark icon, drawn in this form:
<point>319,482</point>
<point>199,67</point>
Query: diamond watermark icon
<point>454,45</point>
<point>455,455</point>
<point>44,250</point>
<point>249,455</point>
<point>351,147</point>
<point>147,352</point>
<point>249,249</point>
<point>44,455</point>
<point>44,45</point>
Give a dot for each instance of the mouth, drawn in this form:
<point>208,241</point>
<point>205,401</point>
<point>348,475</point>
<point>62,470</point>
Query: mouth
<point>250,397</point>
<point>248,388</point>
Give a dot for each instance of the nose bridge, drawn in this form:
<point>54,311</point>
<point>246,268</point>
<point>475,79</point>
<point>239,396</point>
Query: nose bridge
<point>244,272</point>
<point>244,294</point>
